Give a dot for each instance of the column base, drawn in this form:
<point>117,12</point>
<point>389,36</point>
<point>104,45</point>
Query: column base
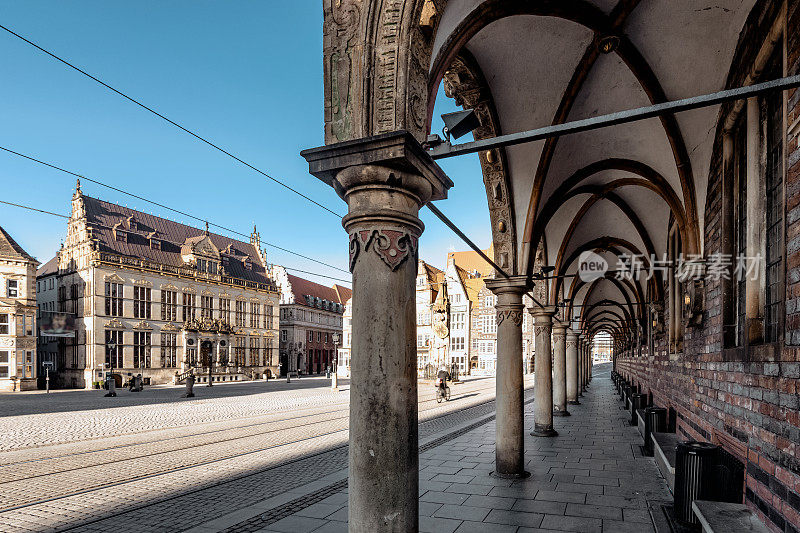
<point>544,432</point>
<point>500,475</point>
<point>573,402</point>
<point>558,412</point>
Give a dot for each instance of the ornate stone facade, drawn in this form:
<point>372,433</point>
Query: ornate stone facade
<point>155,297</point>
<point>17,316</point>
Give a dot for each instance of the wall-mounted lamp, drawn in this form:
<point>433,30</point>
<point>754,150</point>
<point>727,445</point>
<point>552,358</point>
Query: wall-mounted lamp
<point>460,123</point>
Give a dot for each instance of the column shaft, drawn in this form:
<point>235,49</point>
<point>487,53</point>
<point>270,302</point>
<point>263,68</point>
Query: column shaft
<point>543,380</point>
<point>385,180</point>
<point>509,437</point>
<point>559,371</point>
<point>572,368</point>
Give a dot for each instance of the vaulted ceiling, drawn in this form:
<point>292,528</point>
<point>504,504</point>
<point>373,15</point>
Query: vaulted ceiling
<point>614,190</point>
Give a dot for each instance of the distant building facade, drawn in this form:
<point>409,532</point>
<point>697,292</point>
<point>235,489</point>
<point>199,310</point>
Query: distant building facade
<point>17,316</point>
<point>47,306</point>
<point>310,315</point>
<point>160,298</point>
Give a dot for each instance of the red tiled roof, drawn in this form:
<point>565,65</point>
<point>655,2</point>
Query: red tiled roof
<point>10,249</point>
<point>344,293</point>
<point>302,287</point>
<point>101,216</point>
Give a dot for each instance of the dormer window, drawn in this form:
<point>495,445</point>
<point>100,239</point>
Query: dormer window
<point>120,235</point>
<point>155,244</point>
<point>131,222</point>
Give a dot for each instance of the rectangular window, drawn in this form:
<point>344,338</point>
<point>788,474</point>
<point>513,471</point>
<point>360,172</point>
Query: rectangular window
<point>189,306</point>
<point>29,325</point>
<point>255,315</point>
<point>4,324</point>
<point>238,351</point>
<point>141,302</point>
<point>3,364</point>
<point>114,348</point>
<point>773,123</point>
<point>206,307</point>
<point>225,310</point>
<point>268,316</point>
<point>255,351</point>
<point>13,288</point>
<point>488,324</point>
<point>457,322</point>
<point>169,350</point>
<point>241,310</point>
<point>113,298</point>
<point>169,306</point>
<point>141,349</point>
<point>284,335</point>
<point>310,336</point>
<point>457,343</point>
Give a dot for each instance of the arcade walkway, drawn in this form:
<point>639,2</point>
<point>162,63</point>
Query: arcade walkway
<point>591,478</point>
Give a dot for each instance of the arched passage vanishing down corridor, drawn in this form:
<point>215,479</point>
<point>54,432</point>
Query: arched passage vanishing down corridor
<point>690,217</point>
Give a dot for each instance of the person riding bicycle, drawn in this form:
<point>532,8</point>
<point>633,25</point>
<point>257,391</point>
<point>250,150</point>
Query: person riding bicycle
<point>441,378</point>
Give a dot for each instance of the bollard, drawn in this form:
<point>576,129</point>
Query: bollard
<point>112,388</point>
<point>189,387</point>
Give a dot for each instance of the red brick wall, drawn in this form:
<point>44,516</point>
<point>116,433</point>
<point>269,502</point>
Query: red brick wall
<point>746,400</point>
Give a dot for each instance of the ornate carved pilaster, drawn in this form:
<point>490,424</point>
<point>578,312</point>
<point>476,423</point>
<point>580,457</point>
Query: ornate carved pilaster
<point>464,82</point>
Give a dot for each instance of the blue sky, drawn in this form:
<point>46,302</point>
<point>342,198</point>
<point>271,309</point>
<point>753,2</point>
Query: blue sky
<point>247,75</point>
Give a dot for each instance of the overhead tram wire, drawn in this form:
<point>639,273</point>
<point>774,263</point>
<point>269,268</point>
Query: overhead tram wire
<point>81,176</point>
<point>21,206</point>
<point>156,113</point>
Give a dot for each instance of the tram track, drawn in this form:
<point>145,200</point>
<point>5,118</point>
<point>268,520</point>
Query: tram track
<point>17,495</point>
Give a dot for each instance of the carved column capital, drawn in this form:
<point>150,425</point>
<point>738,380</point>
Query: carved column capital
<point>385,180</point>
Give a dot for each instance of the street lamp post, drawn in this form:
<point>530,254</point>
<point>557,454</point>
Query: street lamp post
<point>335,375</point>
<point>112,385</point>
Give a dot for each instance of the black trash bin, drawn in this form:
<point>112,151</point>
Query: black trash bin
<point>638,401</point>
<point>695,463</point>
<point>655,421</point>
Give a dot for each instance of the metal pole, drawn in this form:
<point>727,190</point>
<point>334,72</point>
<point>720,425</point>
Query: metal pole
<point>622,117</point>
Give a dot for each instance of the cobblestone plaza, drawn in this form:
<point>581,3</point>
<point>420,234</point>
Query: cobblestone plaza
<point>74,459</point>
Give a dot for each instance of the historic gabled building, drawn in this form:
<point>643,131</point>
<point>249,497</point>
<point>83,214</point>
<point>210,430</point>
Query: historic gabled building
<point>160,298</point>
<point>310,316</point>
<point>431,347</point>
<point>17,316</point>
<point>460,307</point>
<point>47,306</point>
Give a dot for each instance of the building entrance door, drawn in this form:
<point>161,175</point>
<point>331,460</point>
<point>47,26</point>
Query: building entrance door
<point>205,353</point>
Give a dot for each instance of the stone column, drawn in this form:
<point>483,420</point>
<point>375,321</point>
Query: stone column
<point>580,366</point>
<point>572,368</point>
<point>385,180</point>
<point>509,446</point>
<point>559,371</point>
<point>543,379</point>
<point>586,366</point>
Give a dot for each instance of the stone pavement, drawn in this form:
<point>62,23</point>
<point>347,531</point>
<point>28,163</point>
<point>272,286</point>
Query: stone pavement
<point>211,456</point>
<point>591,478</point>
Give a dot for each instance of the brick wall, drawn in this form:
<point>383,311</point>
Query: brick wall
<point>746,400</point>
